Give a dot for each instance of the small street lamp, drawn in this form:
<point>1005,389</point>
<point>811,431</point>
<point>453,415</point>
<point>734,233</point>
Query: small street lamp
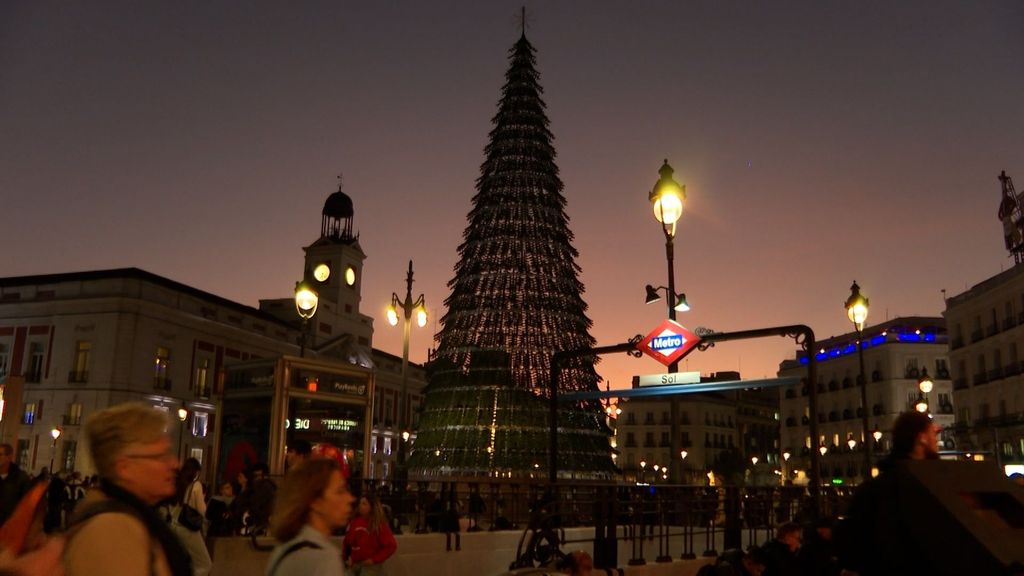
<point>667,199</point>
<point>306,301</point>
<point>823,449</point>
<point>877,435</point>
<point>643,466</point>
<point>182,417</point>
<point>55,433</point>
<point>851,443</point>
<point>924,386</point>
<point>786,455</point>
<point>753,460</point>
<point>683,454</point>
<point>857,310</point>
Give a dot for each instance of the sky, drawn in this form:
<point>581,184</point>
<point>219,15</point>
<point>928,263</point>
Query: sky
<point>819,142</point>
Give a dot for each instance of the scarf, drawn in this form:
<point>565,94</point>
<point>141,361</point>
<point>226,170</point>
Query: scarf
<point>177,557</point>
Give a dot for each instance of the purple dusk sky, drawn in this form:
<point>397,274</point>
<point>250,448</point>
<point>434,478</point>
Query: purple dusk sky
<point>820,142</point>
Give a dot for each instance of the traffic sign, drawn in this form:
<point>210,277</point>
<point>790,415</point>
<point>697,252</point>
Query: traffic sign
<point>669,342</point>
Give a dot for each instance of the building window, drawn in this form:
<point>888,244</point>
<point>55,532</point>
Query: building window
<point>35,363</point>
<point>200,420</point>
<point>912,369</point>
<point>74,415</point>
<point>3,360</point>
<point>388,408</point>
<point>941,368</point>
<point>197,453</point>
<point>69,448</point>
<point>387,447</point>
<point>202,386</point>
<point>373,445</point>
<point>163,359</point>
<point>80,371</point>
<point>29,416</point>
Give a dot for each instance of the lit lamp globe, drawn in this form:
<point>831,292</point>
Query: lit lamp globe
<point>851,443</point>
<point>877,434</point>
<point>393,315</point>
<point>667,198</point>
<point>182,413</point>
<point>925,384</point>
<point>787,455</point>
<point>55,433</point>
<point>921,406</point>
<point>857,307</point>
<point>683,454</point>
<point>823,449</point>
<point>753,460</point>
<point>421,317</point>
<point>306,300</point>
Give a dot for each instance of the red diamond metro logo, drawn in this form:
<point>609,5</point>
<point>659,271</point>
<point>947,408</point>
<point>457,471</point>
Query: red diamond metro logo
<point>669,342</point>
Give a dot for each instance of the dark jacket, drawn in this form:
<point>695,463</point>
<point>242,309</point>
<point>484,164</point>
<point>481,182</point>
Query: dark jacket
<point>875,538</point>
<point>12,488</point>
<point>780,560</point>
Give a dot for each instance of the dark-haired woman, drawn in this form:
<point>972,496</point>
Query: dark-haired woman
<point>311,503</point>
<point>190,493</point>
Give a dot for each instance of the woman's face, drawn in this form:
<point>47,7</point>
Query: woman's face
<point>364,507</point>
<point>242,479</point>
<point>334,506</point>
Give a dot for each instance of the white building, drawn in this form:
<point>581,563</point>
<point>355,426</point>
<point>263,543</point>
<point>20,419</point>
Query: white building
<point>896,355</point>
<point>74,343</point>
<point>986,327</point>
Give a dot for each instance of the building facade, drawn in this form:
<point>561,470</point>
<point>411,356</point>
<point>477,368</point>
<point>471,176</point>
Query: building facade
<point>897,353</point>
<point>74,343</point>
<point>986,327</point>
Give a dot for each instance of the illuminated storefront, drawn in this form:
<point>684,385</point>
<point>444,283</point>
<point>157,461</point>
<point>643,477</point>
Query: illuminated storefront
<point>269,403</point>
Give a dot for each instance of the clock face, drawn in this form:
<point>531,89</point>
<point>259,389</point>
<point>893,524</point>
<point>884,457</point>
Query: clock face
<point>322,272</point>
<point>350,276</point>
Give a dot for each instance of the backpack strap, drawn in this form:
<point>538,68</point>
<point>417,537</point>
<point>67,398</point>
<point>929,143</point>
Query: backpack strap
<point>293,548</point>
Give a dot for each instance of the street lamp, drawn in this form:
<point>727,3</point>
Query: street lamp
<point>306,301</point>
<point>753,460</point>
<point>924,386</point>
<point>55,433</point>
<point>877,435</point>
<point>643,466</point>
<point>182,417</point>
<point>857,310</point>
<point>851,442</point>
<point>667,198</point>
<point>407,307</point>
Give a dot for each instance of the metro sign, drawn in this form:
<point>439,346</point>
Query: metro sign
<point>669,342</point>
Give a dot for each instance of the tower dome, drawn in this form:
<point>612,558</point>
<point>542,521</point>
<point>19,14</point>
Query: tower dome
<point>336,223</point>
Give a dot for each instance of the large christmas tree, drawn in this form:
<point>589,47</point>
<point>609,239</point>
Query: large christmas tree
<point>515,300</point>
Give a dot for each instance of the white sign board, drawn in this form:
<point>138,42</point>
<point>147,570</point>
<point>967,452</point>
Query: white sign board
<point>664,379</point>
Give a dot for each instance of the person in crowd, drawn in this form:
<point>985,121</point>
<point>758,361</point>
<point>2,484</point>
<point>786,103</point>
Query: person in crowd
<point>56,503</point>
<point>261,501</point>
<point>874,538</point>
<point>240,505</point>
<point>190,494</point>
<point>116,530</point>
<point>578,563</point>
<point>313,501</point>
<point>817,554</point>
<point>368,541</point>
<point>736,562</point>
<point>298,451</point>
<point>218,511</point>
<point>781,553</point>
<point>14,482</point>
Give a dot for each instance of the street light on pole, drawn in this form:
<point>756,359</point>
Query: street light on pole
<point>407,308</point>
<point>667,198</point>
<point>857,310</point>
<point>306,301</point>
<point>182,418</point>
<point>55,433</point>
<point>924,386</point>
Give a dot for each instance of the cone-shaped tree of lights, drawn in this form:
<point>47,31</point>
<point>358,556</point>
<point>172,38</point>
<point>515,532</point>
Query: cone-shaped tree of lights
<point>515,300</point>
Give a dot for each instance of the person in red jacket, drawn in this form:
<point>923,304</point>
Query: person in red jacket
<point>369,541</point>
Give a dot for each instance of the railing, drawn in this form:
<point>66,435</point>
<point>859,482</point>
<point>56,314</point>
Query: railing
<point>976,336</point>
<point>1011,369</point>
<point>33,376</point>
<point>980,378</point>
<point>991,330</point>
<point>995,374</point>
<point>68,420</point>
<point>78,377</point>
<point>960,384</point>
<point>658,522</point>
<point>956,343</point>
<point>161,383</point>
<point>1009,322</point>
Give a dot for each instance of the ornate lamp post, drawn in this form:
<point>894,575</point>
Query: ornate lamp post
<point>667,198</point>
<point>55,433</point>
<point>182,418</point>
<point>924,386</point>
<point>406,307</point>
<point>857,310</point>
<point>306,301</point>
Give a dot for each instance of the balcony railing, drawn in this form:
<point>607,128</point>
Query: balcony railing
<point>960,384</point>
<point>956,343</point>
<point>34,376</point>
<point>161,383</point>
<point>991,330</point>
<point>78,377</point>
<point>995,374</point>
<point>1009,322</point>
<point>1011,369</point>
<point>69,420</point>
<point>980,378</point>
<point>976,336</point>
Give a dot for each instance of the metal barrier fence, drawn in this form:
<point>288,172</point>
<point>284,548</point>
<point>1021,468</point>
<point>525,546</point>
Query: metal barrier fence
<point>659,522</point>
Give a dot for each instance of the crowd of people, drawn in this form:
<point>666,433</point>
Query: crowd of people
<point>144,514</point>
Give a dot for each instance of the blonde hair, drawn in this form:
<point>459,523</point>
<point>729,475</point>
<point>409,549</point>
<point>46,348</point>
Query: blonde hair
<point>304,483</point>
<point>113,429</point>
